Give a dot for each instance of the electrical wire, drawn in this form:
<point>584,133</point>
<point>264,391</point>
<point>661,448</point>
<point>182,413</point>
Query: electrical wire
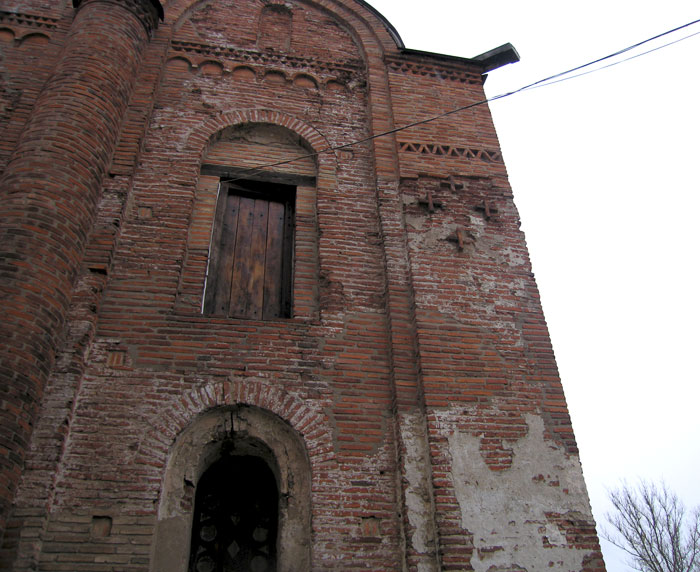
<point>591,63</point>
<point>613,63</point>
<point>551,80</point>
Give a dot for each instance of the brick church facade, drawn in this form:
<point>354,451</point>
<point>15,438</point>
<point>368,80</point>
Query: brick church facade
<point>246,323</point>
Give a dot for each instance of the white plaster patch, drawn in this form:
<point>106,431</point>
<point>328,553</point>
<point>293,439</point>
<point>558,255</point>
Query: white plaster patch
<point>429,237</point>
<point>505,510</point>
<point>415,222</point>
<point>418,499</point>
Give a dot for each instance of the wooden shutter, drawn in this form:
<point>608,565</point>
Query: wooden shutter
<point>250,266</point>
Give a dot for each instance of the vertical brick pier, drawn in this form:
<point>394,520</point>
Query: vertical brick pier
<point>49,195</point>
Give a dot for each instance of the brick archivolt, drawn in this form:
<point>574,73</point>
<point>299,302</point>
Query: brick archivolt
<point>200,137</point>
<point>304,416</point>
<point>255,416</point>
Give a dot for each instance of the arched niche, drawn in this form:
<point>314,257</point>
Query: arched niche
<point>217,437</point>
<point>275,30</point>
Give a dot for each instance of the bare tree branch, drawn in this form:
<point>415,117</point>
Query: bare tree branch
<point>651,525</point>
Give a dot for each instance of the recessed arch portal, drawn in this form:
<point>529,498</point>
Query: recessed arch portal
<point>229,445</point>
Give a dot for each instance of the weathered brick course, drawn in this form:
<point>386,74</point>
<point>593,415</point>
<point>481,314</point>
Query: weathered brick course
<point>413,389</point>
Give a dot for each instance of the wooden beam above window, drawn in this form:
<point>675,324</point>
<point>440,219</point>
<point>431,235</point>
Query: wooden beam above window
<point>246,173</point>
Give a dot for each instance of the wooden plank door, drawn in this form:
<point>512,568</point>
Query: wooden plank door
<point>251,255</point>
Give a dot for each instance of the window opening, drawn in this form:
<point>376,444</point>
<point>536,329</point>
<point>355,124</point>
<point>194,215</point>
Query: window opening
<point>235,517</point>
<point>251,253</point>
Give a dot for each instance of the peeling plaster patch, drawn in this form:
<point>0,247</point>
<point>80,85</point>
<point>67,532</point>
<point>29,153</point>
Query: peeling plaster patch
<point>506,510</point>
<point>408,199</point>
<point>478,225</point>
<point>515,257</point>
<point>488,301</point>
<point>415,222</point>
<point>418,497</point>
<point>428,237</point>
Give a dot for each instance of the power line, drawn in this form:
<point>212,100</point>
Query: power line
<point>614,54</point>
<point>615,63</point>
<point>551,80</point>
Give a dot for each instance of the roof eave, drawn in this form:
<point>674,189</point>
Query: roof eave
<point>488,61</point>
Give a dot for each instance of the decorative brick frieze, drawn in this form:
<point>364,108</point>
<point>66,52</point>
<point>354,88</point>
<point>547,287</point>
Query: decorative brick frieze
<point>446,150</point>
<point>27,20</point>
<point>208,52</point>
<point>447,72</point>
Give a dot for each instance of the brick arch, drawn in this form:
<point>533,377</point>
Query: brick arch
<point>35,38</point>
<point>310,423</point>
<point>7,34</point>
<point>199,138</point>
<point>355,14</point>
<point>187,177</point>
<point>294,439</point>
<point>184,59</point>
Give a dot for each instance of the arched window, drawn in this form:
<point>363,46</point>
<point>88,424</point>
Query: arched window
<point>252,249</point>
<point>235,517</point>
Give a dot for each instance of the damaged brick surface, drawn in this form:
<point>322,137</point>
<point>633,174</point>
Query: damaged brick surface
<point>409,407</point>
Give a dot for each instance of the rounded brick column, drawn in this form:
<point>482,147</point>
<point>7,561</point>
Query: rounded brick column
<point>48,199</point>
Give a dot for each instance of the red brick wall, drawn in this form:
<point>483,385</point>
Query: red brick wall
<point>414,333</point>
<point>50,188</point>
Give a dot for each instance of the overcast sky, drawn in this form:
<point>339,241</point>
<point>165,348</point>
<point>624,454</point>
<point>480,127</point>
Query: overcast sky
<point>605,170</point>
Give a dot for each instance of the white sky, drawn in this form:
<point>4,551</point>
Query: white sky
<point>605,170</point>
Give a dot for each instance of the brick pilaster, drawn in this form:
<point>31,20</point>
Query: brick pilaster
<point>50,189</point>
